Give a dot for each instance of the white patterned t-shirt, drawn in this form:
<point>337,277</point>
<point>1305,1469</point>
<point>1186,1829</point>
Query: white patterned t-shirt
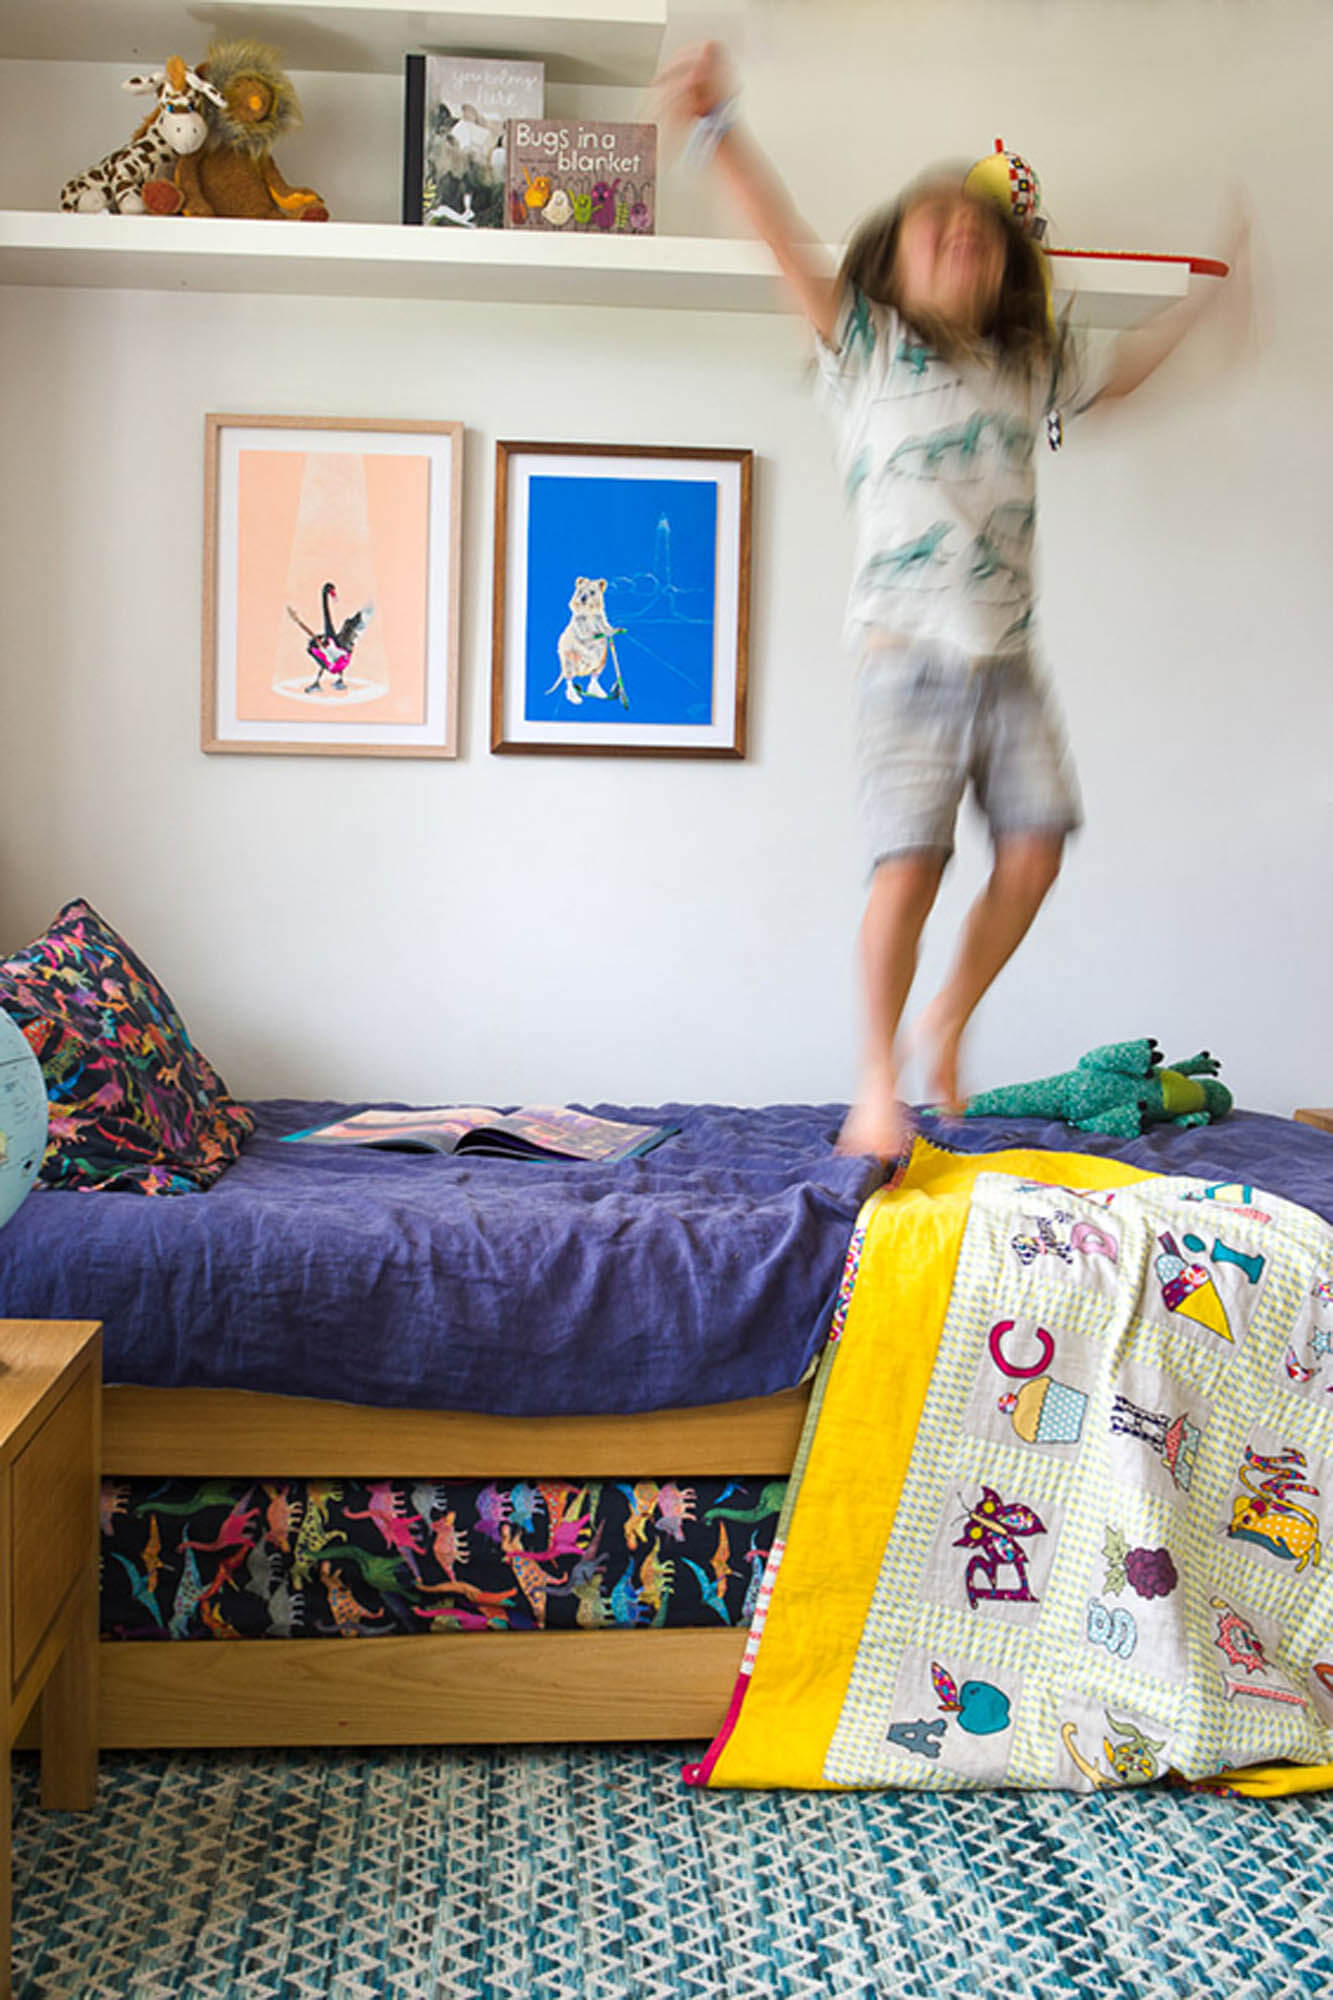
<point>936,458</point>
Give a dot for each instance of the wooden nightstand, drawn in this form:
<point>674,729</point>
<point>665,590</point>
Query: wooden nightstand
<point>1322,1120</point>
<point>50,1457</point>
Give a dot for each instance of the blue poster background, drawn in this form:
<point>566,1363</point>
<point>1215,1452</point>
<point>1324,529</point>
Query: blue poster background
<point>655,542</point>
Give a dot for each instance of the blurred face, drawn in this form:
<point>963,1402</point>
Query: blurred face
<point>950,258</point>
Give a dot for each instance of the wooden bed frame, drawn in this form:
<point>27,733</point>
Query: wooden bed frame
<point>483,1687</point>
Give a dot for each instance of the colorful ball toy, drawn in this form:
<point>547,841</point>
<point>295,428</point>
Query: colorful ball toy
<point>1008,179</point>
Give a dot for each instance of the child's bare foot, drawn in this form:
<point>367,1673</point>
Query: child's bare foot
<point>877,1123</point>
<point>940,1040</point>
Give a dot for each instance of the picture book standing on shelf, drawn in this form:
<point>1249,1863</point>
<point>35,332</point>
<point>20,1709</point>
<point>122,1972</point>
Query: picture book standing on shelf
<point>454,144</point>
<point>568,175</point>
<point>539,1132</point>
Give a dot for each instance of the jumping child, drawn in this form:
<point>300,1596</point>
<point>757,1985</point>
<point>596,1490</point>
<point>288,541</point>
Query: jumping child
<point>938,362</point>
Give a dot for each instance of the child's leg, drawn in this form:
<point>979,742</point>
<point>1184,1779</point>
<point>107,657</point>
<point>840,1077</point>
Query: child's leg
<point>1025,867</point>
<point>902,891</point>
<point>1024,781</point>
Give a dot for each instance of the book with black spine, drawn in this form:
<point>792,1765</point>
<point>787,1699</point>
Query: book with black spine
<point>454,147</point>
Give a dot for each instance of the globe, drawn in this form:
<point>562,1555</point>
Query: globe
<point>23,1114</point>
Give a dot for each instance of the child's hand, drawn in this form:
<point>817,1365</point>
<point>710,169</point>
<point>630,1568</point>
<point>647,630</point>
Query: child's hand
<point>693,84</point>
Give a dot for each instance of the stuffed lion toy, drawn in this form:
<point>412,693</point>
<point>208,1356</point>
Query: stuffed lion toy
<point>235,173</point>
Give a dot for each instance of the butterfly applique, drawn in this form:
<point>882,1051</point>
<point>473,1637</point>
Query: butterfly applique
<point>995,1527</point>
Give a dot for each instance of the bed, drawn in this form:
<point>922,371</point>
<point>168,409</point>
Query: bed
<point>425,1334</point>
<point>709,1377</point>
<point>365,1317</point>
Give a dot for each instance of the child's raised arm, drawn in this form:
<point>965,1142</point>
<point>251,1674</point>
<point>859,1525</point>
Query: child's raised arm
<point>697,87</point>
<point>1140,352</point>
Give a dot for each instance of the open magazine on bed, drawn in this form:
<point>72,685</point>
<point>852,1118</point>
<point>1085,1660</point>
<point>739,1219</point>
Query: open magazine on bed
<point>536,1132</point>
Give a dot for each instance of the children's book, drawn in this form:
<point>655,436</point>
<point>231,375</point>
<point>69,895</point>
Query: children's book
<point>538,1132</point>
<point>454,136</point>
<point>568,175</point>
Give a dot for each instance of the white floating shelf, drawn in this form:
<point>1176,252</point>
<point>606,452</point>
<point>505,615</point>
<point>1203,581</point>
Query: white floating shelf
<point>581,41</point>
<point>390,261</point>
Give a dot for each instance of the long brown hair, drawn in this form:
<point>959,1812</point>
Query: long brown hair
<point>1021,331</point>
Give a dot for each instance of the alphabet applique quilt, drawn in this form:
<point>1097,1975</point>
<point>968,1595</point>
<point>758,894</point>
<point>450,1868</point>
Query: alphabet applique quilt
<point>1061,1512</point>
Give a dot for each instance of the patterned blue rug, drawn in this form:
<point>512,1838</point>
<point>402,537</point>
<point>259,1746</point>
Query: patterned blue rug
<point>563,1873</point>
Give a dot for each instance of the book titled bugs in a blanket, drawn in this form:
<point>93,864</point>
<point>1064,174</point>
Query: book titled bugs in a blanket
<point>567,175</point>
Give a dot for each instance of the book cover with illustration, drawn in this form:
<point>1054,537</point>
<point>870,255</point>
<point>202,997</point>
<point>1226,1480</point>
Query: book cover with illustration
<point>537,1132</point>
<point>568,175</point>
<point>457,109</point>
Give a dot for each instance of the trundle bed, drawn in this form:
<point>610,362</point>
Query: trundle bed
<point>642,1330</point>
<point>637,1680</point>
<point>472,1450</point>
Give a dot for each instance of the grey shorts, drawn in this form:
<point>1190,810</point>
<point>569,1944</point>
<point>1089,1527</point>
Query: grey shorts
<point>928,723</point>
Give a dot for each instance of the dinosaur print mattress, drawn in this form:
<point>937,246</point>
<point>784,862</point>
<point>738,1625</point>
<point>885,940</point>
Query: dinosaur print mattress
<point>320,1559</point>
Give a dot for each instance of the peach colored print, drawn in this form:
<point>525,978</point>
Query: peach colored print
<point>360,521</point>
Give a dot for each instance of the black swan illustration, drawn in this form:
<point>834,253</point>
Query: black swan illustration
<point>331,649</point>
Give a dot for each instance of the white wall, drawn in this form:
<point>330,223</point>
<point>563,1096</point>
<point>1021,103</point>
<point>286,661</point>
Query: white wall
<point>526,927</point>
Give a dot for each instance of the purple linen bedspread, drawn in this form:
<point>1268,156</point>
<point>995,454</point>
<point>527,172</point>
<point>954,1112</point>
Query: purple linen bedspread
<point>1273,1153</point>
<point>704,1272</point>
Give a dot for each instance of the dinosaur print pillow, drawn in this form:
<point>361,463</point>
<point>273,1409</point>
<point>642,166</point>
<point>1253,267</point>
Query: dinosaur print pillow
<point>134,1104</point>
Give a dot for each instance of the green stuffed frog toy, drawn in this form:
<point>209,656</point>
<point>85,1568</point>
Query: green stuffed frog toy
<point>1121,1090</point>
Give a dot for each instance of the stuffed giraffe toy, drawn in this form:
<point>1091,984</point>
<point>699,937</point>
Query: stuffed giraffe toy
<point>175,127</point>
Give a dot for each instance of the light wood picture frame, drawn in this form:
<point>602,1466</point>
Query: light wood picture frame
<point>332,558</point>
<point>621,614</point>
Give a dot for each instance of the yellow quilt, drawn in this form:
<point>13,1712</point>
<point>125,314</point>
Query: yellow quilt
<point>1058,1514</point>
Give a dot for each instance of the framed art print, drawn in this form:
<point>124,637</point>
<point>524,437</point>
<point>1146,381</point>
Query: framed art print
<point>331,580</point>
<point>622,592</point>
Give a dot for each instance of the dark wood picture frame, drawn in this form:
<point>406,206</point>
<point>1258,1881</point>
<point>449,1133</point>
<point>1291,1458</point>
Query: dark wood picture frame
<point>608,727</point>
